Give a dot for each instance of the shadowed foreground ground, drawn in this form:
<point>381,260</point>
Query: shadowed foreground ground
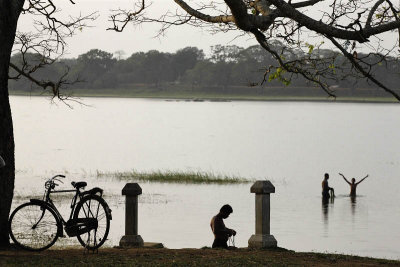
<point>184,257</point>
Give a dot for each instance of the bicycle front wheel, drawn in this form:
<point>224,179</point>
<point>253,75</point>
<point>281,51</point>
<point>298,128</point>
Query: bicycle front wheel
<point>33,227</point>
<point>93,206</point>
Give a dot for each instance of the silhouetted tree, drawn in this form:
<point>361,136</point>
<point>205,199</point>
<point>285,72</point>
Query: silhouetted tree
<point>185,59</point>
<point>92,67</point>
<point>49,40</point>
<point>350,26</point>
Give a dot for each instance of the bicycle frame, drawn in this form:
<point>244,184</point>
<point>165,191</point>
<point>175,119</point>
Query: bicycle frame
<point>47,201</point>
<point>73,202</point>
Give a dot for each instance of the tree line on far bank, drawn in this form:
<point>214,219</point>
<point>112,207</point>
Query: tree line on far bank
<point>228,69</point>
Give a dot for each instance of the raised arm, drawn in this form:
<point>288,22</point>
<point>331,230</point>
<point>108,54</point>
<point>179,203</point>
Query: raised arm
<point>344,178</point>
<point>362,179</point>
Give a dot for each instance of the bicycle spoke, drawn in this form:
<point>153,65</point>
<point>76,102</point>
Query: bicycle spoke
<point>33,226</point>
<point>92,207</point>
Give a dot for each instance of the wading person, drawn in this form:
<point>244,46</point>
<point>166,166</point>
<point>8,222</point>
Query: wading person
<point>353,184</point>
<point>326,189</point>
<point>221,233</point>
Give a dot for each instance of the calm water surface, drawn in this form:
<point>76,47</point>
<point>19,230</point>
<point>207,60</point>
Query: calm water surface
<point>291,144</point>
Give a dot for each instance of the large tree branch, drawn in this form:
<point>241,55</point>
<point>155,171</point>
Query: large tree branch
<point>202,16</point>
<point>248,22</point>
<point>240,17</point>
<point>372,12</point>
<point>306,3</point>
<point>282,19</point>
<point>318,26</point>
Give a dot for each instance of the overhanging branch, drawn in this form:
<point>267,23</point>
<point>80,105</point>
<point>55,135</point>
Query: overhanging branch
<point>366,74</point>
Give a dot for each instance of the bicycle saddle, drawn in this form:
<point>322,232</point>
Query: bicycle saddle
<point>78,185</point>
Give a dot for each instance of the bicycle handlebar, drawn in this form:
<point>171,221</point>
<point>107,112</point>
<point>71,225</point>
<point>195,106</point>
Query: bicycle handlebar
<point>58,175</point>
<point>50,184</point>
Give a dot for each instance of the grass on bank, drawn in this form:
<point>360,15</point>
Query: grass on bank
<point>188,177</point>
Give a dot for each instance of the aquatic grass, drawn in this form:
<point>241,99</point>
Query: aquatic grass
<point>188,177</point>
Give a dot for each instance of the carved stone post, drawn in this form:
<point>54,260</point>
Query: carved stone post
<point>262,238</point>
<point>131,191</point>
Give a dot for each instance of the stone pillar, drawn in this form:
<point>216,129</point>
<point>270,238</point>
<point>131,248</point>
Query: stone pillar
<point>131,191</point>
<point>262,238</point>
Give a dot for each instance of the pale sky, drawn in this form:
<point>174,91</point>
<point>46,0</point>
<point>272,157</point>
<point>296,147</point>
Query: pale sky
<point>135,39</point>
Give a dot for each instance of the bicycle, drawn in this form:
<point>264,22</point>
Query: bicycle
<point>37,224</point>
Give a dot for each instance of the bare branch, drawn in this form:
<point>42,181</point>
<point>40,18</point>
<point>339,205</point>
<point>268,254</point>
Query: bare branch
<point>124,17</point>
<point>365,73</point>
<point>46,45</point>
<point>357,22</point>
<point>289,66</point>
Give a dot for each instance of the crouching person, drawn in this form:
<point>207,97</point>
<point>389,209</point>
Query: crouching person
<point>221,233</point>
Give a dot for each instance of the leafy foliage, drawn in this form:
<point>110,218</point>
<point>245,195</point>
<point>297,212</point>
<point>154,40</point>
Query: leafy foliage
<point>226,68</point>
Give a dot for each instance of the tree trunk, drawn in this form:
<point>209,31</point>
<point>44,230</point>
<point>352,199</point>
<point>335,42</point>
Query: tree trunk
<point>9,13</point>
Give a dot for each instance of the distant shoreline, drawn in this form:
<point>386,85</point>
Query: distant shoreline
<point>210,97</point>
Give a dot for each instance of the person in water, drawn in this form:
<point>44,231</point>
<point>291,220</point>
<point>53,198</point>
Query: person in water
<point>353,184</point>
<point>221,233</point>
<point>326,189</point>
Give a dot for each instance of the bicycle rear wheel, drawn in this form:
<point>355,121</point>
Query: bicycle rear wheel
<point>94,206</point>
<point>33,227</point>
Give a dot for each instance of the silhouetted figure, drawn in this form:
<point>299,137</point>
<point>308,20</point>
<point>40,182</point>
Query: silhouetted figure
<point>221,233</point>
<point>2,163</point>
<point>326,189</point>
<point>353,184</point>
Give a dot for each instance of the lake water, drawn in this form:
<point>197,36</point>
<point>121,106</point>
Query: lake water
<point>292,144</point>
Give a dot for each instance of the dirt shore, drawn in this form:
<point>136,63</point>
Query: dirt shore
<point>183,257</point>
